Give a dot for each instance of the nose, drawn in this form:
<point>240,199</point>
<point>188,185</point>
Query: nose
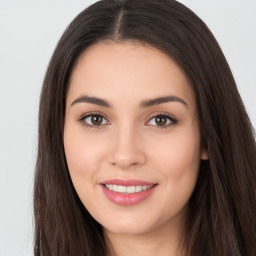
<point>127,149</point>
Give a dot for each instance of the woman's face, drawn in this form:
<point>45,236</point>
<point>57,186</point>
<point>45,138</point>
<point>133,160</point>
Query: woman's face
<point>131,137</point>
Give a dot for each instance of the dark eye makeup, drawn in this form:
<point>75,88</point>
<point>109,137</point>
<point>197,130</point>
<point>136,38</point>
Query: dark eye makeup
<point>94,120</point>
<point>162,121</point>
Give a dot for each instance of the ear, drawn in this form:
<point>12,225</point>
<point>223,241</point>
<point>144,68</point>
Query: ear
<point>204,154</point>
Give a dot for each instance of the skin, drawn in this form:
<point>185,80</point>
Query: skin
<point>130,144</point>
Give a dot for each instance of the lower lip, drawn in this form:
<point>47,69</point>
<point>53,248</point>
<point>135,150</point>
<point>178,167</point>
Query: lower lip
<point>126,199</point>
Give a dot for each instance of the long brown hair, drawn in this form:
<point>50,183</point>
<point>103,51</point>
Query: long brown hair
<point>222,209</point>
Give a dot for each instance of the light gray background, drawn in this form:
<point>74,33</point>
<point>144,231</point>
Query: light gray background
<point>29,31</point>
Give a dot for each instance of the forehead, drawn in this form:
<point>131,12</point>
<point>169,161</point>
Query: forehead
<point>128,69</point>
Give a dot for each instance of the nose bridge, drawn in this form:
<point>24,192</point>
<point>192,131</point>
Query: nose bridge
<point>127,150</point>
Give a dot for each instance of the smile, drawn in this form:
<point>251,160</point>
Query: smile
<point>127,189</point>
<point>127,192</point>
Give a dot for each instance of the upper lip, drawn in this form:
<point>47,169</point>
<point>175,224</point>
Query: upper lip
<point>127,182</point>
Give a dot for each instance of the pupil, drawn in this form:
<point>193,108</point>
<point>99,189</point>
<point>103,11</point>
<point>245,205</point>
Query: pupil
<point>96,120</point>
<point>161,120</point>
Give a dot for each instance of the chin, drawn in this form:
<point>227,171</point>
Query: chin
<point>152,222</point>
<point>131,226</point>
<point>132,229</point>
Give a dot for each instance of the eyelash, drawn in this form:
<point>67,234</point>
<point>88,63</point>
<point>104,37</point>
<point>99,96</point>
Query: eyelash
<point>82,120</point>
<point>173,121</point>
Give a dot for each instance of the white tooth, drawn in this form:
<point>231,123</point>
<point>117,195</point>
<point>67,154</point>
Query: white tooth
<point>131,189</point>
<point>144,187</point>
<point>115,188</point>
<point>138,188</point>
<point>128,189</point>
<point>121,189</point>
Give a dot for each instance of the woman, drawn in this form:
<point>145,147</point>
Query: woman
<point>144,144</point>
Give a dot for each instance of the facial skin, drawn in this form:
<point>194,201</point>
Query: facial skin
<point>129,143</point>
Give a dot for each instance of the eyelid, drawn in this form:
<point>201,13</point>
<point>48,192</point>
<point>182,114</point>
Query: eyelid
<point>88,114</point>
<point>164,114</point>
<point>172,119</point>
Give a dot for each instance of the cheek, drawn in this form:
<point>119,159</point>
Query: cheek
<point>178,162</point>
<point>84,155</point>
<point>180,154</point>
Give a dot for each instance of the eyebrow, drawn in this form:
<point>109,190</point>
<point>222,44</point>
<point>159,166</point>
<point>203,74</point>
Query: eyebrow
<point>161,100</point>
<point>144,103</point>
<point>92,100</point>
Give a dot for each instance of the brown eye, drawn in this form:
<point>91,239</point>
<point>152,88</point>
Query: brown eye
<point>162,121</point>
<point>94,120</point>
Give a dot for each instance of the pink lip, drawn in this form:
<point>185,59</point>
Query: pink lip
<point>126,199</point>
